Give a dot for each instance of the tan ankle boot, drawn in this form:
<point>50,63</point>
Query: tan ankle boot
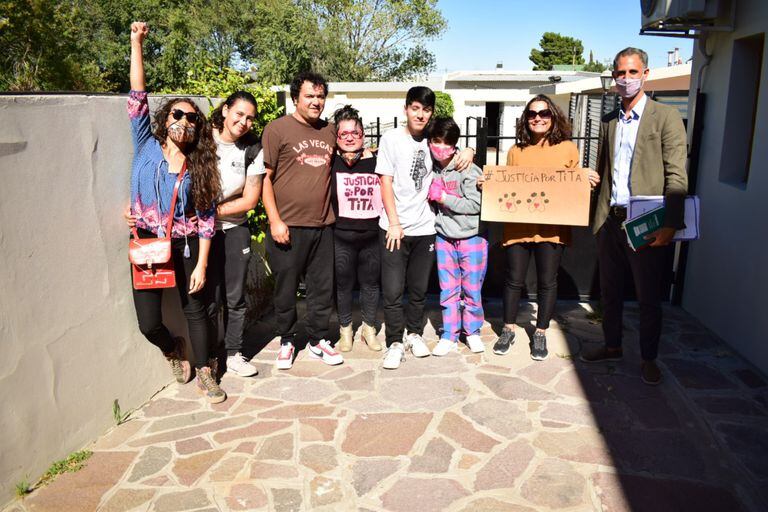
<point>368,333</point>
<point>345,338</point>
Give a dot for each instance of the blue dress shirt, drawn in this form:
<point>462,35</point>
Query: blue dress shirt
<point>624,148</point>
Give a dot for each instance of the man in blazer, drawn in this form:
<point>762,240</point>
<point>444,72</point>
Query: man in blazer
<point>643,152</point>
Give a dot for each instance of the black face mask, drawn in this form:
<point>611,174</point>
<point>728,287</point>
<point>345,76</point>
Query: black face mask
<point>351,157</point>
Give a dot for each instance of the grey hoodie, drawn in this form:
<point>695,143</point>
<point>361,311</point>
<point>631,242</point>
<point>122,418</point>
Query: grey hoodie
<point>459,216</point>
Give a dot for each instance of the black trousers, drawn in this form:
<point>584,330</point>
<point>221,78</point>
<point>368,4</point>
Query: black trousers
<point>410,265</point>
<point>648,271</point>
<point>228,268</point>
<point>149,309</point>
<point>310,253</point>
<point>357,257</point>
<point>547,256</point>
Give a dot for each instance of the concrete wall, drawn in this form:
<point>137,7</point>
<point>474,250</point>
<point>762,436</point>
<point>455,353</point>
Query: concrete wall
<point>727,278</point>
<point>70,343</point>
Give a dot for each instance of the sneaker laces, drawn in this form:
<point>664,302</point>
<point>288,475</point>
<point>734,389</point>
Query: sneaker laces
<point>208,381</point>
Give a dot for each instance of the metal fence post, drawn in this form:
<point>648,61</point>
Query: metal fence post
<point>481,151</point>
<point>587,145</point>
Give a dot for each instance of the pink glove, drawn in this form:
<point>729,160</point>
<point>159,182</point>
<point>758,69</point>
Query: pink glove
<point>436,190</point>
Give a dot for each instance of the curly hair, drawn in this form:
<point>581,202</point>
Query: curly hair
<point>560,130</point>
<point>202,162</point>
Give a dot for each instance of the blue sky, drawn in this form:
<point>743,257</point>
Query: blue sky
<point>483,32</point>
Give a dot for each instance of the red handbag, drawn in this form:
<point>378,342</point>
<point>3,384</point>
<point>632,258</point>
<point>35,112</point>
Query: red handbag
<point>150,258</point>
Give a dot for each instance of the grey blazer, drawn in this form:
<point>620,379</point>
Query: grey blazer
<point>658,163</point>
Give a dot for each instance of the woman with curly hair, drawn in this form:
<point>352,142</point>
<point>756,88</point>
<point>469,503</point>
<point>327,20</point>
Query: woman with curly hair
<point>543,140</point>
<point>181,143</point>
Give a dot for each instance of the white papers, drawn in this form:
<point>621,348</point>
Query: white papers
<point>641,204</point>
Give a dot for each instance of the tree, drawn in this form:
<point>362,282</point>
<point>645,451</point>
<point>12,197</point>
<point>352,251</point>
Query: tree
<point>556,49</point>
<point>593,65</point>
<point>443,104</point>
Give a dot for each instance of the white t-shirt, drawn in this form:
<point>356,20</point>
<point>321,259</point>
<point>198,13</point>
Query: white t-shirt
<point>409,163</point>
<point>233,175</point>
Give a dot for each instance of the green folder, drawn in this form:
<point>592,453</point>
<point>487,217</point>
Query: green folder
<point>643,225</point>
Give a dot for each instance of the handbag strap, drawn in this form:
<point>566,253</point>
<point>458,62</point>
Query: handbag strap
<point>176,187</point>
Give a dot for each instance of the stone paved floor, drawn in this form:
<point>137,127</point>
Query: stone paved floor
<point>464,432</point>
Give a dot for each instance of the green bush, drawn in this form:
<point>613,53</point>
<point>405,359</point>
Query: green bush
<point>443,104</point>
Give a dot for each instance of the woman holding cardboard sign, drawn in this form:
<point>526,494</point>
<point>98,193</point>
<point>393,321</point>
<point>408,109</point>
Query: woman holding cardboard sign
<point>543,135</point>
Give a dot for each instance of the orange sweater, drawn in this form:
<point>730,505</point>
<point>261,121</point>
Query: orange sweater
<point>565,154</point>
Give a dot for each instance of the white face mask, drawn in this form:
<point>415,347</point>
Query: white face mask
<point>629,87</point>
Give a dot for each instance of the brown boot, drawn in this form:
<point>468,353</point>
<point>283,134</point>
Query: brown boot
<point>650,373</point>
<point>182,371</point>
<point>368,334</point>
<point>345,338</point>
<point>601,354</point>
<point>208,387</point>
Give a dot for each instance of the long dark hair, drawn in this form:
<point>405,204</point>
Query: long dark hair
<point>560,130</point>
<point>217,116</point>
<point>202,162</point>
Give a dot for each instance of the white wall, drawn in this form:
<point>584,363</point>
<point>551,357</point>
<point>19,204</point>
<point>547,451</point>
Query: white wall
<point>70,342</point>
<point>727,279</point>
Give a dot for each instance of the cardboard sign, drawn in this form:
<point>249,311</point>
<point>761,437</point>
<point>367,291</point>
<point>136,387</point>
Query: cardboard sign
<point>536,195</point>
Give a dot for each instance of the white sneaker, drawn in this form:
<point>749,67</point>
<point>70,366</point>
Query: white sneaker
<point>394,355</point>
<point>285,357</point>
<point>324,351</point>
<point>444,346</point>
<point>416,344</point>
<point>475,343</point>
<point>239,365</point>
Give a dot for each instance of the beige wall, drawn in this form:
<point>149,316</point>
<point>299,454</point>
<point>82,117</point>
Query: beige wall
<point>70,343</point>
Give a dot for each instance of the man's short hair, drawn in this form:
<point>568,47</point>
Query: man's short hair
<point>423,95</point>
<point>630,50</point>
<point>315,79</point>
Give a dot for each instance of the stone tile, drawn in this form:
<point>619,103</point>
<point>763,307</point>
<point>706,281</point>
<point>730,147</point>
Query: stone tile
<point>425,393</point>
<point>151,461</point>
<point>749,444</point>
<point>539,373</point>
<point>582,445</point>
<point>504,418</point>
<point>513,388</point>
<point>126,499</point>
<point>555,484</point>
<point>338,373</point>
<point>422,367</point>
<point>228,469</point>
<point>371,435</point>
<point>279,447</point>
<point>305,367</point>
<point>188,470</point>
<point>431,495</point>
<point>368,473</point>
<point>249,404</point>
<point>371,403</point>
<point>341,399</point>
<point>118,435</point>
<point>317,429</point>
<point>695,375</point>
<point>298,411</point>
<point>82,490</point>
<point>603,416</point>
<point>185,420</point>
<point>363,381</point>
<point>318,457</point>
<point>286,500</point>
<point>630,493</point>
<point>157,481</point>
<point>464,433</point>
<point>673,453</point>
<point>246,497</point>
<point>494,505</point>
<point>184,500</point>
<point>729,405</point>
<point>257,429</point>
<point>185,433</point>
<point>264,471</point>
<point>505,467</point>
<point>194,445</point>
<point>467,461</point>
<point>750,378</point>
<point>435,459</point>
<point>324,491</point>
<point>164,407</point>
<point>246,447</point>
<point>295,390</point>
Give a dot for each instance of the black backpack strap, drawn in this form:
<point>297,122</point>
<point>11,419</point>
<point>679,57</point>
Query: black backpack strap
<point>253,146</point>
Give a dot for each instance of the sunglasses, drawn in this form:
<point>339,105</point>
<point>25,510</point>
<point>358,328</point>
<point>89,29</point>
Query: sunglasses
<point>544,114</point>
<point>177,114</point>
<point>355,135</point>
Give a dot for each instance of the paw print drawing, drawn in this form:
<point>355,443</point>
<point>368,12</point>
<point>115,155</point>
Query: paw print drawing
<point>537,202</point>
<point>509,202</point>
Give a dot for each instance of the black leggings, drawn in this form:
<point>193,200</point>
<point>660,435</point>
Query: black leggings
<point>149,309</point>
<point>357,256</point>
<point>548,257</point>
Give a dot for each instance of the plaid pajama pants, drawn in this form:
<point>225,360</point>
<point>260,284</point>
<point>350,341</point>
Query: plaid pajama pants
<point>461,266</point>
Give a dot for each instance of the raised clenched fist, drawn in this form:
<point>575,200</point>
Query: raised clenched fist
<point>139,31</point>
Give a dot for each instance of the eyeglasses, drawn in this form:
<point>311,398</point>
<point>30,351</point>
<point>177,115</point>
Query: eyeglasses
<point>354,135</point>
<point>177,114</point>
<point>544,114</point>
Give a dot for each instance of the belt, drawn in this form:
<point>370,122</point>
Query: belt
<point>618,212</point>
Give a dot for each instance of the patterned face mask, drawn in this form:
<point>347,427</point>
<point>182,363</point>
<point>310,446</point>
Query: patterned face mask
<point>628,87</point>
<point>441,152</point>
<point>180,133</point>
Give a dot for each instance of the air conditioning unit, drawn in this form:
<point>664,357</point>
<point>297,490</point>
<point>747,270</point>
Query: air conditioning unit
<point>679,14</point>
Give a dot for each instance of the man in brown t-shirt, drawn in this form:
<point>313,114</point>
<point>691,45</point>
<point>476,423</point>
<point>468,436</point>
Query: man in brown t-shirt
<point>297,197</point>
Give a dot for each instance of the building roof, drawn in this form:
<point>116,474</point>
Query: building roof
<point>669,78</point>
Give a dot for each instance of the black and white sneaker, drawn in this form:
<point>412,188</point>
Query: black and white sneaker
<point>506,340</point>
<point>539,350</point>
